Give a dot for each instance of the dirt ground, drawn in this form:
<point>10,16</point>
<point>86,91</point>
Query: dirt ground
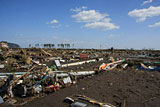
<point>137,89</point>
<point>118,87</point>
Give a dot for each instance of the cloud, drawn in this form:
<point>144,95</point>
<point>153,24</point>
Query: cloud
<point>19,35</point>
<point>94,20</point>
<point>67,26</point>
<point>58,39</point>
<point>147,1</point>
<point>112,36</point>
<point>89,16</point>
<point>142,14</point>
<point>103,25</point>
<point>53,22</point>
<point>79,9</point>
<point>155,25</point>
<point>55,26</point>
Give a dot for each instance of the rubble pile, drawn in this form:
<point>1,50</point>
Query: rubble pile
<point>27,74</point>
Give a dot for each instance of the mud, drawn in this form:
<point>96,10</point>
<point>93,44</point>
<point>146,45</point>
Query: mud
<point>137,89</point>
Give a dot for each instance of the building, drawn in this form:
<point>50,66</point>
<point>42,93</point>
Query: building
<point>3,44</point>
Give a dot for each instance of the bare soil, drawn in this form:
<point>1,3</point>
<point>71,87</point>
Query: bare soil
<point>137,89</point>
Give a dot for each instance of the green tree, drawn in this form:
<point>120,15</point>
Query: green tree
<point>30,45</point>
<point>62,45</point>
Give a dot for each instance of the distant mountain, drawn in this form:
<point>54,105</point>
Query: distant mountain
<point>9,45</point>
<point>13,45</point>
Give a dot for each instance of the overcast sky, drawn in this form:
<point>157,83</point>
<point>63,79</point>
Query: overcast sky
<point>84,23</point>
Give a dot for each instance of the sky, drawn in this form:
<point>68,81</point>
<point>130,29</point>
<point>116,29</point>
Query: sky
<point>122,24</point>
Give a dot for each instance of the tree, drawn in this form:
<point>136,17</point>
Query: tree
<point>49,45</point>
<point>62,45</point>
<point>59,45</point>
<point>73,45</point>
<point>112,48</point>
<point>52,45</point>
<point>38,45</point>
<point>100,46</point>
<point>68,45</point>
<point>29,45</point>
<point>45,45</point>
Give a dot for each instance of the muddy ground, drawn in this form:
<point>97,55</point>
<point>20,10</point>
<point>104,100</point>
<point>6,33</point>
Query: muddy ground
<point>137,89</point>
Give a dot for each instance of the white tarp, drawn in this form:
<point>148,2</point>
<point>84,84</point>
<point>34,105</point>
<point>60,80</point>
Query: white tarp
<point>2,66</point>
<point>57,62</point>
<point>67,80</point>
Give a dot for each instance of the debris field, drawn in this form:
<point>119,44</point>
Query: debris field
<point>79,77</point>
